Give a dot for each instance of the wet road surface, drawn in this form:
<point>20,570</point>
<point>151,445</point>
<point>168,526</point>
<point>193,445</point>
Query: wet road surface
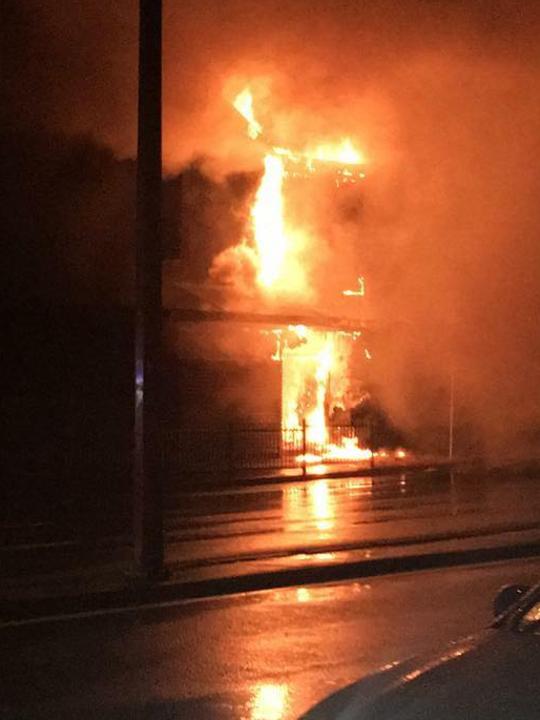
<point>262,656</point>
<point>213,533</point>
<point>295,520</point>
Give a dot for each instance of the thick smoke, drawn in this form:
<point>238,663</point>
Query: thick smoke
<point>441,96</point>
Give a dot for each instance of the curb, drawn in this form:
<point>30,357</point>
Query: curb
<point>170,592</point>
<point>233,482</point>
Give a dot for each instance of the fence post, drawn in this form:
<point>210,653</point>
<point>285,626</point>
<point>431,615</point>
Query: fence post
<point>304,448</point>
<point>372,458</point>
<point>230,450</point>
<point>451,411</point>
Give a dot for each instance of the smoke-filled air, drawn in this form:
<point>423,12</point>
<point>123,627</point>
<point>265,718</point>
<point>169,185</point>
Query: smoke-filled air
<point>390,156</point>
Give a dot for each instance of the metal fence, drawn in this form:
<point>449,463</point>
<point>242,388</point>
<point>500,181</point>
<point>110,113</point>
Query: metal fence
<point>264,447</point>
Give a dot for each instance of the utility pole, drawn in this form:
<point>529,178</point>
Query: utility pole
<point>147,466</point>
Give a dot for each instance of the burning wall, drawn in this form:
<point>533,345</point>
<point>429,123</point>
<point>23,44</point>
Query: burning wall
<point>279,246</point>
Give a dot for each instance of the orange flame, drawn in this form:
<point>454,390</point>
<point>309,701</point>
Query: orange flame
<point>268,222</point>
<point>279,245</point>
<point>343,152</point>
<point>317,432</point>
<point>314,376</point>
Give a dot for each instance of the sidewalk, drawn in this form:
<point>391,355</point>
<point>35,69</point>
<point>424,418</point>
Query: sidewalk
<point>262,476</point>
<point>99,578</point>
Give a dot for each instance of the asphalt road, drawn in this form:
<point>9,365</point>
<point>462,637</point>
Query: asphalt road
<point>263,656</point>
<point>294,519</point>
<point>259,528</point>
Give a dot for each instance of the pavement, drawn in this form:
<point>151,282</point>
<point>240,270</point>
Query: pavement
<point>380,465</point>
<point>257,656</point>
<point>284,533</point>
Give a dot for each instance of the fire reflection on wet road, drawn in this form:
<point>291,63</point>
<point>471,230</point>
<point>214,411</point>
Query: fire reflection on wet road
<point>315,519</point>
<point>269,701</point>
<point>313,502</point>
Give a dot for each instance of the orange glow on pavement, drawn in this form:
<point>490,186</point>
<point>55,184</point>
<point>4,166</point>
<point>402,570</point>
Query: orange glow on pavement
<point>269,702</point>
<point>322,508</point>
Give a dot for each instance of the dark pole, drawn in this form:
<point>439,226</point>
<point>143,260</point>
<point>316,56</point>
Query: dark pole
<point>147,512</point>
<point>451,411</point>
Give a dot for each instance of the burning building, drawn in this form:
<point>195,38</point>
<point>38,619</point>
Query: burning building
<point>289,301</point>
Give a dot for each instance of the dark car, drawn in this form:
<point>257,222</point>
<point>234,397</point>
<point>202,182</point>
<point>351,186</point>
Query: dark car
<point>495,675</point>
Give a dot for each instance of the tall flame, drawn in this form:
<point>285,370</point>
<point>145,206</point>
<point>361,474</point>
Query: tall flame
<point>307,370</point>
<point>278,245</point>
<point>314,369</point>
<point>316,420</point>
<point>268,222</point>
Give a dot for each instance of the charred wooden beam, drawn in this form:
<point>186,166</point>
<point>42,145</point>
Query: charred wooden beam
<point>322,322</point>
